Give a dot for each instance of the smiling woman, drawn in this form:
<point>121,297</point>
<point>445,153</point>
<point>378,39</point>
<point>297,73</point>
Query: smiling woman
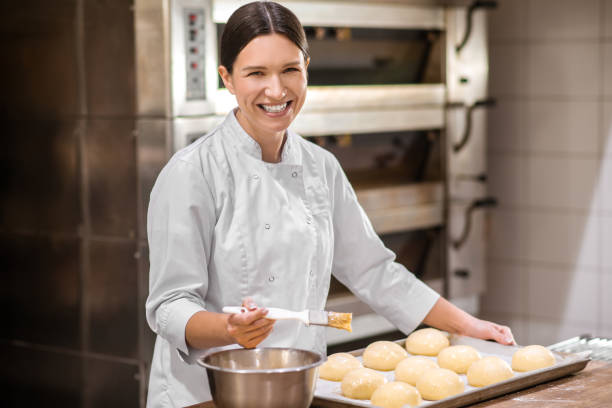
<point>268,79</point>
<point>264,57</point>
<point>253,213</point>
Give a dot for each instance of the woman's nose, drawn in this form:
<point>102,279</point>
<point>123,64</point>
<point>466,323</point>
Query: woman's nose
<point>275,89</point>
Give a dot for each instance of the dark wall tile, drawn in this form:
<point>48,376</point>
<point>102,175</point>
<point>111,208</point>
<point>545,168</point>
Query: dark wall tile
<point>34,378</point>
<point>111,298</point>
<point>40,289</point>
<point>109,57</point>
<point>111,384</point>
<point>39,182</point>
<point>111,164</point>
<point>39,64</point>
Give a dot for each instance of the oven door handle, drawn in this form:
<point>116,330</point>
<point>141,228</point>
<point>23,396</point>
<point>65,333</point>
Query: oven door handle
<point>488,4</point>
<point>486,202</point>
<point>484,103</point>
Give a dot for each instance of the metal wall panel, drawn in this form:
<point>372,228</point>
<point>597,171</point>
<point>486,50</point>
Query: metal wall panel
<point>111,300</point>
<point>111,166</point>
<point>40,177</point>
<point>35,378</point>
<point>153,79</point>
<point>40,289</point>
<point>35,82</point>
<point>110,384</point>
<point>109,57</point>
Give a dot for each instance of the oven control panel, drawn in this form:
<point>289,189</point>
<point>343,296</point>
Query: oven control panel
<point>195,53</point>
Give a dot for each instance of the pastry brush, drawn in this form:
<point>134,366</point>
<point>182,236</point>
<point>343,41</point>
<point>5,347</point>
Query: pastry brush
<point>308,317</point>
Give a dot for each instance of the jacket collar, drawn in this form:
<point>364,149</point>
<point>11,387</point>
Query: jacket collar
<point>243,141</point>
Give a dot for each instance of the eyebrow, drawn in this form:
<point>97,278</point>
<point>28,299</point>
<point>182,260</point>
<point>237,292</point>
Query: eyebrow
<point>261,67</point>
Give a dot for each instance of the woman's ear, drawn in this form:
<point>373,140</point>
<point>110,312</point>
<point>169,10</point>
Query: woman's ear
<point>226,77</point>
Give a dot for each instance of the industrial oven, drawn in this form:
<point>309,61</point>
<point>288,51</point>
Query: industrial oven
<point>397,91</point>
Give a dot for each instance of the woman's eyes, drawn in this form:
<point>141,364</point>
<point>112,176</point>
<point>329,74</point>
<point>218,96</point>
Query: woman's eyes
<point>260,73</point>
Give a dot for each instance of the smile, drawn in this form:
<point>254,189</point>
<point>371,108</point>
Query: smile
<point>275,108</point>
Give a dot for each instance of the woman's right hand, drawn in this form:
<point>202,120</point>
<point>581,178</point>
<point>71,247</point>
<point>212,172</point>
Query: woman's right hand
<point>251,327</point>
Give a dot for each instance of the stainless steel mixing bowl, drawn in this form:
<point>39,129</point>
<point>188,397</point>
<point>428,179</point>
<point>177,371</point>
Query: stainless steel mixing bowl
<point>262,377</point>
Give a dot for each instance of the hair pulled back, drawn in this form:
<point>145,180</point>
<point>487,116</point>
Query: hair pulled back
<point>255,19</point>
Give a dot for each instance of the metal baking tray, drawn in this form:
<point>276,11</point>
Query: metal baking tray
<point>328,394</point>
<point>600,348</point>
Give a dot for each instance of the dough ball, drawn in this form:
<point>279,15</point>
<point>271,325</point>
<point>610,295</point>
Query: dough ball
<point>410,369</point>
<point>458,358</point>
<point>531,358</point>
<point>488,370</point>
<point>439,383</point>
<point>426,342</point>
<point>337,365</point>
<point>383,355</point>
<point>361,383</point>
<point>395,395</point>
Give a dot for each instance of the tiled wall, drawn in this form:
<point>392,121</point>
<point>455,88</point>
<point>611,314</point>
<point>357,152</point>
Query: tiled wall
<point>550,166</point>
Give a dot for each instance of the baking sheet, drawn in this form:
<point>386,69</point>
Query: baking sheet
<point>329,391</point>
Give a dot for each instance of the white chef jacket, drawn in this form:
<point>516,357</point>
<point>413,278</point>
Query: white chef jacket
<point>223,225</point>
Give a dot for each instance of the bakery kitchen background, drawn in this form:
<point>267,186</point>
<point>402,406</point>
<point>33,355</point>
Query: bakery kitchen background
<point>477,134</point>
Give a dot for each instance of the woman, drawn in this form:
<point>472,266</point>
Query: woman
<point>253,214</point>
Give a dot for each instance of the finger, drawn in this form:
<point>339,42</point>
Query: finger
<point>258,325</point>
<point>502,334</point>
<point>508,337</point>
<point>247,318</point>
<point>253,340</point>
<point>260,336</point>
<point>249,303</point>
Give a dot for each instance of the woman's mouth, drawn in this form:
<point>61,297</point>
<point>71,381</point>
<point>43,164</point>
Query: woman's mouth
<point>275,109</point>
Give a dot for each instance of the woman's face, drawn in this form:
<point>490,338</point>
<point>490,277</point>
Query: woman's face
<point>269,82</point>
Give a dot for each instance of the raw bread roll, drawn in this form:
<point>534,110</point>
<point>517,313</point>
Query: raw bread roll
<point>410,369</point>
<point>458,358</point>
<point>427,342</point>
<point>396,395</point>
<point>383,355</point>
<point>439,383</point>
<point>488,370</point>
<point>531,358</point>
<point>361,383</point>
<point>337,365</point>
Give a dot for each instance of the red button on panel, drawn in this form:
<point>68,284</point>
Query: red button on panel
<point>193,50</point>
<point>194,65</point>
<point>192,19</point>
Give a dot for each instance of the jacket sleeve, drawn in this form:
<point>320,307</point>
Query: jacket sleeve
<point>364,265</point>
<point>180,222</point>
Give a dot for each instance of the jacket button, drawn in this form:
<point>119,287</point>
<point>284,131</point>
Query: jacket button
<point>255,177</point>
<point>267,226</point>
<point>271,279</point>
<point>308,220</point>
<point>294,174</point>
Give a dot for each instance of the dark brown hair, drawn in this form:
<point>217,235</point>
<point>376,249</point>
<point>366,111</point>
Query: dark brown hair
<point>255,19</point>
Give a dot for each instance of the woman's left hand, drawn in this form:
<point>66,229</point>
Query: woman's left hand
<point>483,329</point>
<point>446,316</point>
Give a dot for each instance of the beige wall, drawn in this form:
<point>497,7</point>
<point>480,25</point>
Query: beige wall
<point>550,166</point>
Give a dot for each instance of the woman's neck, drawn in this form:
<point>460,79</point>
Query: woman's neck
<point>271,144</point>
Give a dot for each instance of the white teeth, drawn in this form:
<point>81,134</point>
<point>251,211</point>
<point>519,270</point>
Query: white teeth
<point>274,108</point>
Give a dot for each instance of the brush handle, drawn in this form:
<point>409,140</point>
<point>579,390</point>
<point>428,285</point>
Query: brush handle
<point>274,313</point>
